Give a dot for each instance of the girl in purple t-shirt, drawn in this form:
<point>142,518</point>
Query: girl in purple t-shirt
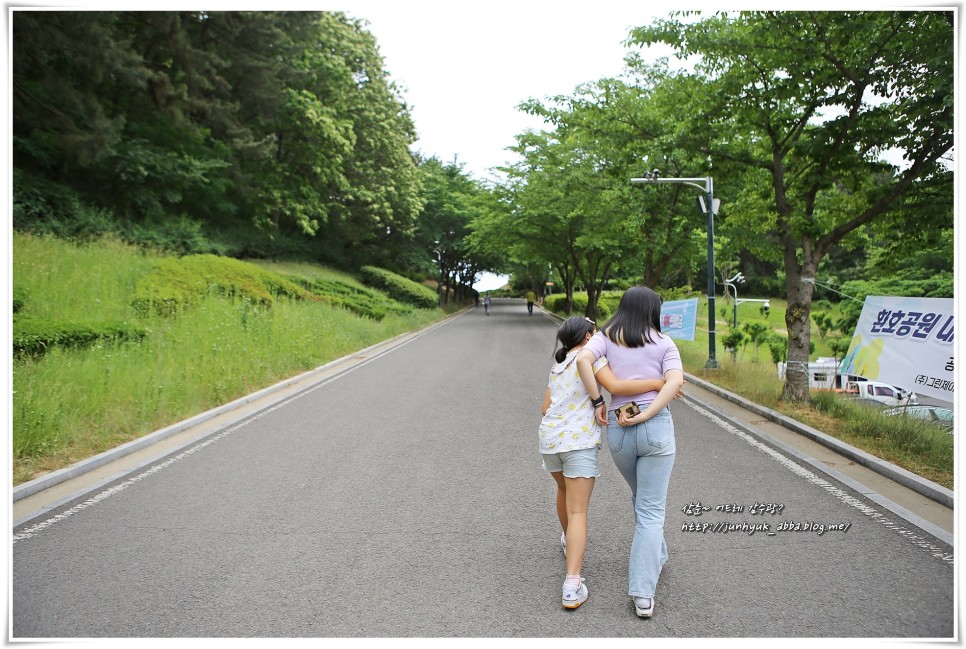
<point>641,446</point>
<point>570,438</point>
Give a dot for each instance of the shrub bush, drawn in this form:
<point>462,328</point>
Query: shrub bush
<point>34,336</point>
<point>361,301</point>
<point>607,305</point>
<point>398,287</point>
<point>175,284</point>
<point>180,235</point>
<point>778,345</point>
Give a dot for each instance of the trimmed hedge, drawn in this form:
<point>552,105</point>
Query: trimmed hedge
<point>177,283</point>
<point>398,287</point>
<point>34,336</point>
<point>361,301</point>
<point>607,304</point>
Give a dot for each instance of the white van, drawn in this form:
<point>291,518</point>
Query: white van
<point>882,392</point>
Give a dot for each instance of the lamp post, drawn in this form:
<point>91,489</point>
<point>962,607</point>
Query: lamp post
<point>708,205</point>
<point>733,282</point>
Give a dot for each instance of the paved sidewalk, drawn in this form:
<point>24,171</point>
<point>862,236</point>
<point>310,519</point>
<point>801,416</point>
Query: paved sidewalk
<point>920,506</point>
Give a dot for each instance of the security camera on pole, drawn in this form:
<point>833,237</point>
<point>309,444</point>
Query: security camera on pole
<point>708,205</point>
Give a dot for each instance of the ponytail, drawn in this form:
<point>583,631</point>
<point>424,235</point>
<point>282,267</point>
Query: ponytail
<point>571,334</point>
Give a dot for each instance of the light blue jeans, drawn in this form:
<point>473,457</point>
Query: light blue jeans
<point>644,454</point>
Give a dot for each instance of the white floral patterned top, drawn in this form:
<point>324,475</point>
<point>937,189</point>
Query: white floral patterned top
<point>569,424</point>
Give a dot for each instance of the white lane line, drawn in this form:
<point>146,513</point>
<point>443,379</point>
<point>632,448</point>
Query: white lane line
<point>33,530</point>
<point>801,471</point>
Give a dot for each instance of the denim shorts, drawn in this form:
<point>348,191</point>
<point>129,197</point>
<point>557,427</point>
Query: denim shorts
<point>581,463</point>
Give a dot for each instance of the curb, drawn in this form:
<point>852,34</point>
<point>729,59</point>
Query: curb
<point>85,466</point>
<point>920,485</point>
<point>854,485</point>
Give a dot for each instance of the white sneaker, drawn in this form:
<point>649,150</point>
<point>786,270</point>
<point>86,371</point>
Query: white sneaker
<point>644,606</point>
<point>563,542</point>
<point>574,598</point>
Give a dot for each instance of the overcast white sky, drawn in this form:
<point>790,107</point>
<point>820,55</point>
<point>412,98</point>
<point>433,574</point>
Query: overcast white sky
<point>465,67</point>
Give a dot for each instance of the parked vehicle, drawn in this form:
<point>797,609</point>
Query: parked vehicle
<point>823,374</point>
<point>888,394</point>
<point>935,414</point>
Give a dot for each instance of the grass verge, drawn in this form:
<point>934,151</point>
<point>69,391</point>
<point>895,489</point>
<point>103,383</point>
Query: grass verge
<point>916,446</point>
<point>71,404</point>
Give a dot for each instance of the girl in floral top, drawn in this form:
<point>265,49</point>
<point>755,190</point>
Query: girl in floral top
<point>570,440</point>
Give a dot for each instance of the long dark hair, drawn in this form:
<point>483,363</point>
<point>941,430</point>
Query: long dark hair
<point>571,334</point>
<point>638,314</point>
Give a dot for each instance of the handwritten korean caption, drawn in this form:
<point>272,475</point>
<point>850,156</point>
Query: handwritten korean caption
<point>767,524</point>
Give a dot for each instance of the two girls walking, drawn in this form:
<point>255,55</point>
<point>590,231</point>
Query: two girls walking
<point>634,361</point>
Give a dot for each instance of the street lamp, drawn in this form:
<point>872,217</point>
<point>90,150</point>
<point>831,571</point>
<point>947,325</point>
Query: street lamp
<point>708,205</point>
<point>733,282</point>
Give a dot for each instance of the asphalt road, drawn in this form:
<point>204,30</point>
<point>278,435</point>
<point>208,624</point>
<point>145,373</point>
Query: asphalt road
<point>406,499</point>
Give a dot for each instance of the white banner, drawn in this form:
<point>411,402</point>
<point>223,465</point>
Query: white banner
<point>905,341</point>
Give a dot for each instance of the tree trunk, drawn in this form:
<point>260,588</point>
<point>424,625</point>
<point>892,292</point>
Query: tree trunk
<point>592,297</point>
<point>798,323</point>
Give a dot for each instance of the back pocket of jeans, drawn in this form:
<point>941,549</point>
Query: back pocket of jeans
<point>615,438</point>
<point>659,430</point>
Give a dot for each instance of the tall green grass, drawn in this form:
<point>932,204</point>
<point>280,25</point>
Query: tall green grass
<point>914,445</point>
<point>78,282</point>
<point>71,404</point>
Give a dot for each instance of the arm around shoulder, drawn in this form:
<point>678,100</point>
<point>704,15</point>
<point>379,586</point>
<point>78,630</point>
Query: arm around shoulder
<point>585,367</point>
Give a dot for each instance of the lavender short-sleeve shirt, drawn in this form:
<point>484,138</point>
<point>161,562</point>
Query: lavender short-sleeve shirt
<point>648,362</point>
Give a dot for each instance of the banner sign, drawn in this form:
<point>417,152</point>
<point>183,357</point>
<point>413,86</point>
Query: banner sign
<point>678,318</point>
<point>907,342</point>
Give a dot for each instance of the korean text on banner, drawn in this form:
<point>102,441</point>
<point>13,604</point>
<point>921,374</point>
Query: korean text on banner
<point>905,341</point>
<point>678,318</point>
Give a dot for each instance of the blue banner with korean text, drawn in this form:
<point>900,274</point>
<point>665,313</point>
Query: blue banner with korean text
<point>905,341</point>
<point>678,318</point>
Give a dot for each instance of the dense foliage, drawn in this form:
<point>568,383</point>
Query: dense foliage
<point>798,117</point>
<point>212,132</point>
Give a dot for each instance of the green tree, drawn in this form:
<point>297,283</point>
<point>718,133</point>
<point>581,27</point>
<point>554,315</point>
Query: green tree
<point>809,101</point>
<point>443,226</point>
<point>758,332</point>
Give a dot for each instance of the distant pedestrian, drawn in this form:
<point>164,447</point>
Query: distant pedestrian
<point>642,446</point>
<point>531,298</point>
<point>486,303</point>
<point>569,440</point>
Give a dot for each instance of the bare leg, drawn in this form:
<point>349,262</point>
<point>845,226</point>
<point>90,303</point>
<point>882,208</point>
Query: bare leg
<point>561,499</point>
<point>578,492</point>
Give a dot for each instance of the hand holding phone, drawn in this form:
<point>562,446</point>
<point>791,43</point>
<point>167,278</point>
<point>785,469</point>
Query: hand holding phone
<point>629,409</point>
